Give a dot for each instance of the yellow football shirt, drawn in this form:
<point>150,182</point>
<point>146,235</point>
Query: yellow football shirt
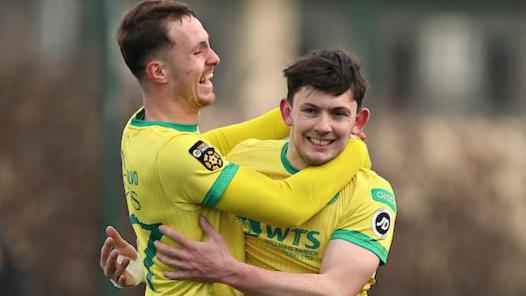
<point>363,213</point>
<point>151,202</point>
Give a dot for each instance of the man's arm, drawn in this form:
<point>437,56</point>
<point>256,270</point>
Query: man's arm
<point>345,270</point>
<point>296,199</point>
<point>248,193</point>
<point>267,126</point>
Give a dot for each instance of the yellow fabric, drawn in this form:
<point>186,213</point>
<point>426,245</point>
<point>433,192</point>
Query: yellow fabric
<point>300,249</point>
<point>267,126</point>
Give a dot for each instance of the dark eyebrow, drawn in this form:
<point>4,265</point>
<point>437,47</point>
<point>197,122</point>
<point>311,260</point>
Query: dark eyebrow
<point>308,105</point>
<point>345,109</point>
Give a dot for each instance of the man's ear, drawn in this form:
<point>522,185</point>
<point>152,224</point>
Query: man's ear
<point>156,72</point>
<point>286,111</point>
<point>362,117</point>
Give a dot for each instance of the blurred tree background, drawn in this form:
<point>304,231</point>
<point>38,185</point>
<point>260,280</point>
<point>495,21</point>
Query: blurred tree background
<point>447,92</point>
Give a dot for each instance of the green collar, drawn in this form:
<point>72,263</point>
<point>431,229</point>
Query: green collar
<point>138,120</point>
<point>288,166</point>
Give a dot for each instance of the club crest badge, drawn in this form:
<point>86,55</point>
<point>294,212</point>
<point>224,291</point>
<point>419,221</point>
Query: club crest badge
<point>206,155</point>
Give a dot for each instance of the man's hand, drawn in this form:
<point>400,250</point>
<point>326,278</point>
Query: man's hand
<point>113,268</point>
<point>203,261</point>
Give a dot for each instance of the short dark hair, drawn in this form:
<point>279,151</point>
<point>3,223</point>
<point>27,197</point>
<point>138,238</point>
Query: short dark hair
<point>143,32</point>
<point>330,71</point>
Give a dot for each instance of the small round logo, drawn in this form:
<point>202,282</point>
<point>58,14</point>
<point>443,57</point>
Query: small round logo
<point>196,153</point>
<point>381,222</point>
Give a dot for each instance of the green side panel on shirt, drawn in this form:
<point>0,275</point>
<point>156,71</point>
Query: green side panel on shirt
<point>150,250</point>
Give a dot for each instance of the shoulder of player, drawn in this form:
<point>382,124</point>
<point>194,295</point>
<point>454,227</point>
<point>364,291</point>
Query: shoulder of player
<point>369,188</point>
<point>183,154</point>
<point>175,140</point>
<point>179,145</point>
<point>368,177</point>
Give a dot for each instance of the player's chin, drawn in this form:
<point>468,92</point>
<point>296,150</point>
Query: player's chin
<point>207,99</point>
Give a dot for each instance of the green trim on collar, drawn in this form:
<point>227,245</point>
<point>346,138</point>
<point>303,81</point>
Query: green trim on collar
<point>140,122</point>
<point>288,166</point>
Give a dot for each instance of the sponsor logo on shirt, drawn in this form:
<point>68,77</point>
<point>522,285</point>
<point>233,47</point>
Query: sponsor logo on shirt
<point>385,197</point>
<point>298,243</point>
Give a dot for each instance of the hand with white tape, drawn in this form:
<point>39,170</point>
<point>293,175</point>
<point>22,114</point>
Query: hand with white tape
<point>120,261</point>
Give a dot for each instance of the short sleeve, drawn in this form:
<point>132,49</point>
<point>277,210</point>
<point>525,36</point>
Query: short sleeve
<point>192,171</point>
<point>369,215</point>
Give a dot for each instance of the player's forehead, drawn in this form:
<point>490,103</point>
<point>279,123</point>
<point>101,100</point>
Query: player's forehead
<point>308,96</point>
<point>187,32</point>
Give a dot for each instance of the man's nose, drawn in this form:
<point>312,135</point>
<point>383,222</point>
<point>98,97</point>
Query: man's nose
<point>213,58</point>
<point>323,124</point>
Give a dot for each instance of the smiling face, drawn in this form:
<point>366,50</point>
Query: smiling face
<point>321,125</point>
<point>191,62</point>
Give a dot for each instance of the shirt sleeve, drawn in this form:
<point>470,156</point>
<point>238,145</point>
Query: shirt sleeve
<point>267,126</point>
<point>195,172</point>
<point>369,214</point>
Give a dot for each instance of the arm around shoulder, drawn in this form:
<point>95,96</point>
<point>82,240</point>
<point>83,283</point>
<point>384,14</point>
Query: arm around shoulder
<point>294,200</point>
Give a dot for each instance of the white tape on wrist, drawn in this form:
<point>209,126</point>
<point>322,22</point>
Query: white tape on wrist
<point>134,270</point>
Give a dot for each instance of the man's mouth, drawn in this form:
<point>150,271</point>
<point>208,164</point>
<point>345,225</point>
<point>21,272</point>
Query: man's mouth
<point>206,78</point>
<point>320,142</point>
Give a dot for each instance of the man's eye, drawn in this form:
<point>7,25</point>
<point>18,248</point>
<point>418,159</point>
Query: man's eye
<point>340,113</point>
<point>198,52</point>
<point>310,111</point>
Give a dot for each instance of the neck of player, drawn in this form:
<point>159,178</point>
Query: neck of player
<point>173,110</point>
<point>294,159</point>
